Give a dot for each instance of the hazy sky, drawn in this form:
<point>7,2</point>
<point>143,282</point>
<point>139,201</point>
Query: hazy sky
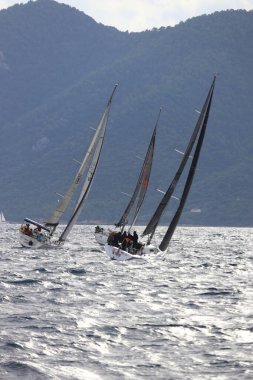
<point>139,15</point>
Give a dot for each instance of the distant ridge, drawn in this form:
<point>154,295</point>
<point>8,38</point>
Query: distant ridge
<point>57,65</point>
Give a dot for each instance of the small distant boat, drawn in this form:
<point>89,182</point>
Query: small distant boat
<point>40,235</point>
<point>2,218</point>
<point>199,132</point>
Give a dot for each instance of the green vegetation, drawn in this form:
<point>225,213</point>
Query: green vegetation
<point>57,69</point>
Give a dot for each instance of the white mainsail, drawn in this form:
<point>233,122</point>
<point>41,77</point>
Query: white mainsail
<point>54,219</point>
<point>2,218</point>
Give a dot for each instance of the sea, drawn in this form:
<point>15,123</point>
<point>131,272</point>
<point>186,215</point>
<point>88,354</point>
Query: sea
<point>71,313</point>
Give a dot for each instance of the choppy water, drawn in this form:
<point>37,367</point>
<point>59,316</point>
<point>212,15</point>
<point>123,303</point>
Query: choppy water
<point>71,313</point>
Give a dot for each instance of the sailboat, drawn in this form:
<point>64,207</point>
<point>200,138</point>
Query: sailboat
<point>136,200</point>
<point>197,135</point>
<point>2,218</point>
<point>42,235</point>
<point>138,195</point>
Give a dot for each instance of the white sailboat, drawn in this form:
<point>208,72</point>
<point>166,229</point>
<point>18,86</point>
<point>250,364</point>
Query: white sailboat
<point>42,235</point>
<point>102,234</point>
<point>117,253</point>
<point>2,218</point>
<point>122,245</point>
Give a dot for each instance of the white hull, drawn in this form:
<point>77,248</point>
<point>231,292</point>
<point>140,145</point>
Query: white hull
<point>149,250</point>
<point>115,253</point>
<point>101,237</point>
<point>118,254</point>
<point>33,241</point>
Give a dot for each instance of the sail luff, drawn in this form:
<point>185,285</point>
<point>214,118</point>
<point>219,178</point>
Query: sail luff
<point>142,183</point>
<point>167,237</point>
<point>154,221</point>
<point>61,207</point>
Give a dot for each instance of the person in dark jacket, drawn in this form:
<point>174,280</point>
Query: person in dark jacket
<point>135,239</point>
<point>117,239</point>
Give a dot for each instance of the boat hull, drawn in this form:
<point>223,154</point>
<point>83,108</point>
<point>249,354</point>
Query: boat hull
<point>101,237</point>
<point>118,254</point>
<point>149,249</point>
<point>33,241</point>
<point>115,253</point>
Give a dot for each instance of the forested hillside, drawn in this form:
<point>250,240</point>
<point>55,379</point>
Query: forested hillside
<point>57,70</point>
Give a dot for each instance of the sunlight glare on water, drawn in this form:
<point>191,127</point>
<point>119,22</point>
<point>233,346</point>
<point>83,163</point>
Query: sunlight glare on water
<point>72,313</point>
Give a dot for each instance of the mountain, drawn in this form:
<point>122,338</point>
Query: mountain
<point>57,70</point>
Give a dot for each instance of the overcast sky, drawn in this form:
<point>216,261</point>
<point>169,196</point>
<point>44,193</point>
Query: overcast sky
<point>139,15</point>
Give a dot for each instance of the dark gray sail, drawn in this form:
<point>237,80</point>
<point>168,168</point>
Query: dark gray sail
<point>153,223</point>
<point>167,237</point>
<point>142,183</point>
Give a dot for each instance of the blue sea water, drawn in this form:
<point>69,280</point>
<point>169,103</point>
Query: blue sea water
<point>72,313</point>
